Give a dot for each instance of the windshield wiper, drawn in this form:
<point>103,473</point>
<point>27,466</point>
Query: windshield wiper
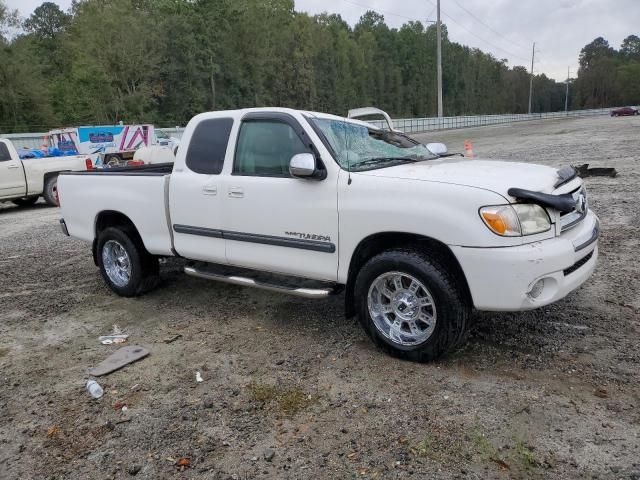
<point>376,160</point>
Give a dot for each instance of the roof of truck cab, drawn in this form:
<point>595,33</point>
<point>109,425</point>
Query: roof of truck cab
<point>327,116</point>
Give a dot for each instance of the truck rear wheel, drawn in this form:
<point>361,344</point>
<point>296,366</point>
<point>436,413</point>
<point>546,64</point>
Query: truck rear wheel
<point>410,305</point>
<point>49,193</point>
<point>127,268</point>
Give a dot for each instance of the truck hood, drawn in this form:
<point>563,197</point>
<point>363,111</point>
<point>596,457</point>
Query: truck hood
<point>497,176</point>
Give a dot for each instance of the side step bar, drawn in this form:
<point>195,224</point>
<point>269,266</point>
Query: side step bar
<point>249,282</point>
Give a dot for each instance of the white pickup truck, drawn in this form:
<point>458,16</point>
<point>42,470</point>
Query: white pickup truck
<point>313,204</point>
<point>23,181</point>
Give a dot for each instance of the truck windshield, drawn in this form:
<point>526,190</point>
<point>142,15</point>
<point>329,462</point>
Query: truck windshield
<point>358,147</point>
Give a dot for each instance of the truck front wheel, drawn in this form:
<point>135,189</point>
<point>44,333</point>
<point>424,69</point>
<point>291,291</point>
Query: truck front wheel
<point>127,268</point>
<point>410,305</point>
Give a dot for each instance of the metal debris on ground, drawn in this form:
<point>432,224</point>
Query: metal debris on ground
<point>183,463</point>
<point>601,392</point>
<point>584,171</point>
<point>173,338</point>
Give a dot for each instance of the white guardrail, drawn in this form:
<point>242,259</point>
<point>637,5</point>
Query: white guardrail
<point>407,125</point>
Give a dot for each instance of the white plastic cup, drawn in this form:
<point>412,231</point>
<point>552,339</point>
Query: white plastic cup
<point>94,389</point>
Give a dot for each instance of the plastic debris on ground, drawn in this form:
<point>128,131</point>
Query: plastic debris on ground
<point>94,389</point>
<point>199,377</point>
<point>111,339</point>
<point>116,336</point>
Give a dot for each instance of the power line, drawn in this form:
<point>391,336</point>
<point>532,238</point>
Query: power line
<point>488,27</point>
<point>482,39</point>
<point>511,54</point>
<point>431,13</point>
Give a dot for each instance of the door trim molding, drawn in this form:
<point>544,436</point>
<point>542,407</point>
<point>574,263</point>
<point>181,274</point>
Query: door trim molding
<point>200,231</point>
<point>312,245</point>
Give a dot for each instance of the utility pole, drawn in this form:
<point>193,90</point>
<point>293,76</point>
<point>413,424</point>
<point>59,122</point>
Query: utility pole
<point>533,54</point>
<point>566,95</point>
<point>439,55</point>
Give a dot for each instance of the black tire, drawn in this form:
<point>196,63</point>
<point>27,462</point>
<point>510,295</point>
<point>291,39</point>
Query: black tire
<point>144,266</point>
<point>25,202</point>
<point>452,310</point>
<point>49,193</point>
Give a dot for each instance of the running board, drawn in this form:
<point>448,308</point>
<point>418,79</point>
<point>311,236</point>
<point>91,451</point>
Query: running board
<point>250,282</point>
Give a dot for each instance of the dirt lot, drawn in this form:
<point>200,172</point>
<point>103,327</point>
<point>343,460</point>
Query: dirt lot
<point>293,390</point>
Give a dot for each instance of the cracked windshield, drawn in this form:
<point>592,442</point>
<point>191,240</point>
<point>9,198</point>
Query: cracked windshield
<point>357,147</point>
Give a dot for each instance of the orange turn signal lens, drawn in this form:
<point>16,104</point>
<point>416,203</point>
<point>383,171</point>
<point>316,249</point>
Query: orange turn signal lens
<point>495,222</point>
<point>501,220</point>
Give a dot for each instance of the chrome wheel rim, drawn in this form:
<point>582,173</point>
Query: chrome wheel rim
<point>402,308</point>
<point>117,263</point>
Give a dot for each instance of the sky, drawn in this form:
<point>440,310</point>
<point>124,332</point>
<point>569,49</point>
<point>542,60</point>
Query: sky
<point>505,28</point>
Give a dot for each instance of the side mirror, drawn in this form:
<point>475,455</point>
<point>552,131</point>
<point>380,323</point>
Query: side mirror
<point>303,165</point>
<point>437,148</point>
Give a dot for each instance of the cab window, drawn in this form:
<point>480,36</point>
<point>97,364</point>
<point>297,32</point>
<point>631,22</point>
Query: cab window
<point>5,156</point>
<point>208,146</point>
<point>265,148</point>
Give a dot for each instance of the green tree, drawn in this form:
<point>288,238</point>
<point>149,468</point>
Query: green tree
<point>163,61</point>
<point>47,21</point>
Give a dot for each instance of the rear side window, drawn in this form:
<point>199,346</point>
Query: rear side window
<point>208,146</point>
<point>5,156</point>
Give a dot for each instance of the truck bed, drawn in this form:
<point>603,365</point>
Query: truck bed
<point>137,192</point>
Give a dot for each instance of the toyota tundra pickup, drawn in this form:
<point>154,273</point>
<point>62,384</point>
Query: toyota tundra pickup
<point>23,181</point>
<point>312,204</point>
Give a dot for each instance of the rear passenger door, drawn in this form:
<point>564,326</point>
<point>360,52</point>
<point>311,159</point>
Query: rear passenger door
<point>277,222</point>
<point>196,194</point>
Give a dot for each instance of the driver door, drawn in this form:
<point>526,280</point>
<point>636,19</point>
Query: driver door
<point>276,222</point>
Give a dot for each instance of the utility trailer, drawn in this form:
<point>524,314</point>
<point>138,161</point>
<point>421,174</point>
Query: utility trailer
<point>111,145</point>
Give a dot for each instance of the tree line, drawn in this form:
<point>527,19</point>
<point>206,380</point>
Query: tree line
<point>163,61</point>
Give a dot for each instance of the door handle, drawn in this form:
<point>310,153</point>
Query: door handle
<point>210,190</point>
<point>236,192</point>
<point>13,166</point>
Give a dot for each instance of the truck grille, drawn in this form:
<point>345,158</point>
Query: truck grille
<point>571,219</point>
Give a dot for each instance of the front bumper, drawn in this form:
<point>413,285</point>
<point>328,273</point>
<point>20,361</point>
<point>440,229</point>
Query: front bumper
<point>507,279</point>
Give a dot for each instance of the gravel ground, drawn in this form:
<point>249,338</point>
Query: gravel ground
<point>293,390</point>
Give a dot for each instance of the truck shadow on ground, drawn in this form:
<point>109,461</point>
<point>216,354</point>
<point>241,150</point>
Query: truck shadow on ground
<point>528,338</point>
<point>6,208</point>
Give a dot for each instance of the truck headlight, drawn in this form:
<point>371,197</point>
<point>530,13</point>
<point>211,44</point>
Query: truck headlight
<point>516,220</point>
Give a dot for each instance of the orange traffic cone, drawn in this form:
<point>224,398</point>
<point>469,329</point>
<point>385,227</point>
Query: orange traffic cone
<point>468,149</point>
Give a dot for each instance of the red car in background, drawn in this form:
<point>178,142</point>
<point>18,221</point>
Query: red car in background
<point>620,112</point>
